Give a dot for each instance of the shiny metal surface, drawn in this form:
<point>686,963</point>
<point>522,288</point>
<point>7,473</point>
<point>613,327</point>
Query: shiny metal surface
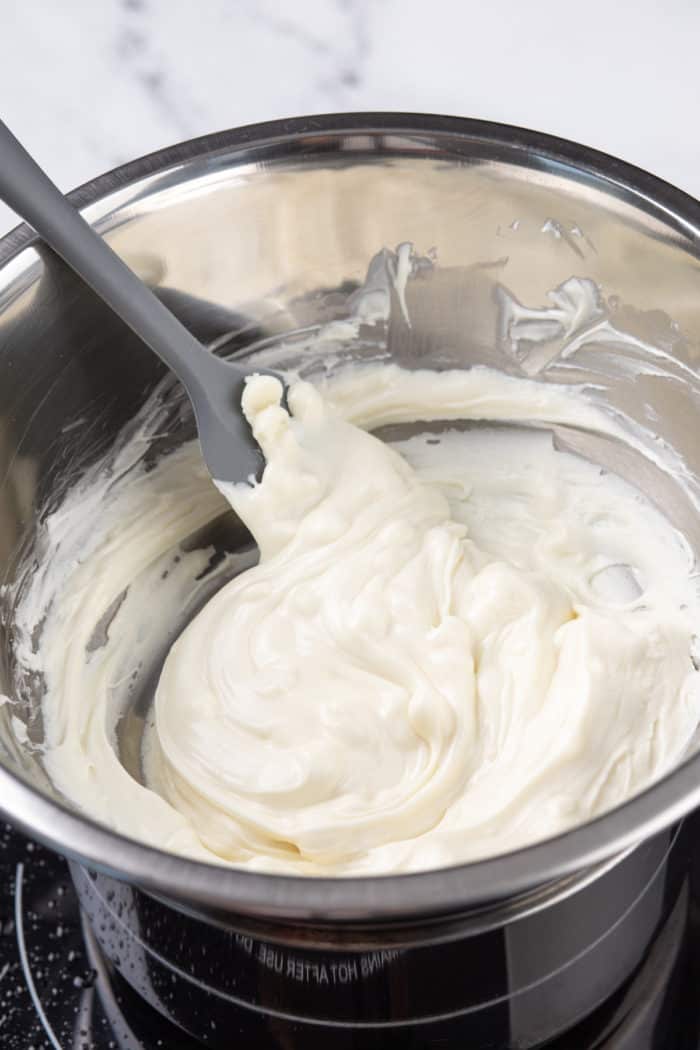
<point>518,985</point>
<point>214,386</point>
<point>265,231</point>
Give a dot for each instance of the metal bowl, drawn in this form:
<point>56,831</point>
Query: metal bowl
<point>260,232</point>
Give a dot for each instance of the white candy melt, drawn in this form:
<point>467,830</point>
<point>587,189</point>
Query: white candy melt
<point>449,648</point>
<point>401,681</point>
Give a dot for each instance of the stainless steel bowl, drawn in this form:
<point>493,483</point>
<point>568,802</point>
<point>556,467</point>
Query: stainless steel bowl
<point>258,233</point>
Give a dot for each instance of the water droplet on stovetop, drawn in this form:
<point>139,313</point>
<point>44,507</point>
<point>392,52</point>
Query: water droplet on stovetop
<point>86,980</point>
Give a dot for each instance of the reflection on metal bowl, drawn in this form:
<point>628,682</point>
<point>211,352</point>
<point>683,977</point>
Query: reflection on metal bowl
<point>531,255</point>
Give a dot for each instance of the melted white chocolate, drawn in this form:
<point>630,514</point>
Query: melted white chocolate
<point>449,648</point>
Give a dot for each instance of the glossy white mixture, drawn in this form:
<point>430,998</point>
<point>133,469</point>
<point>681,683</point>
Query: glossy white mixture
<point>449,648</point>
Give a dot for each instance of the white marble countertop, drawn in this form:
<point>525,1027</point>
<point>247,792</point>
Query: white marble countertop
<point>89,84</point>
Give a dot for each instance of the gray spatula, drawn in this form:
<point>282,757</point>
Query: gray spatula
<point>214,386</point>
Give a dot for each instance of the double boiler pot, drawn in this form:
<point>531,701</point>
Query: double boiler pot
<point>528,254</point>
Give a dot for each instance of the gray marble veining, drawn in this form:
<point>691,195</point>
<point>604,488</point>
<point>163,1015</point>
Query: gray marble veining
<point>89,84</point>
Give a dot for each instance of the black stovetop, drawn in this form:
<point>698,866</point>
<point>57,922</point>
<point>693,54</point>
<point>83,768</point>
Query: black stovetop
<point>55,994</point>
<point>58,993</point>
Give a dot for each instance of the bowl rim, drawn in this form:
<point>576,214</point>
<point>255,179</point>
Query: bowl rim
<point>393,897</point>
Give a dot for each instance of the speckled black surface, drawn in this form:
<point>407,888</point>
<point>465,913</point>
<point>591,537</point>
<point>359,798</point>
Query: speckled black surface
<point>48,967</point>
<point>38,909</point>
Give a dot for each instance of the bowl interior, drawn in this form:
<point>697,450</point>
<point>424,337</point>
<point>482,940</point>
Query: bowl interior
<point>526,255</point>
